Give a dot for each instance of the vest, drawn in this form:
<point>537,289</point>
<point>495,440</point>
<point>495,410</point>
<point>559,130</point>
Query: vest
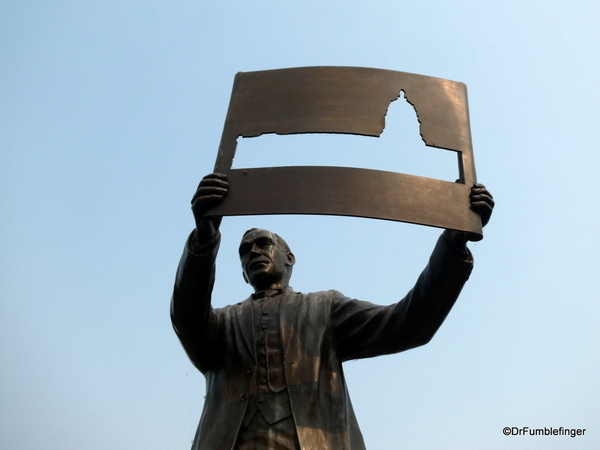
<point>269,391</point>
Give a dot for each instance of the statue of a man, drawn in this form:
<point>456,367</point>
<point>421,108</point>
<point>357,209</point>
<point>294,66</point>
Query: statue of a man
<point>273,363</point>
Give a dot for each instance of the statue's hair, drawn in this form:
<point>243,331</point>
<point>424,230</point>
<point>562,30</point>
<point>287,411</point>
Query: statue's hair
<point>282,244</point>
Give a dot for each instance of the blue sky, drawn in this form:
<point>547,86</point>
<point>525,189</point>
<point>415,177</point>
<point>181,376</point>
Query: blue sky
<point>111,112</point>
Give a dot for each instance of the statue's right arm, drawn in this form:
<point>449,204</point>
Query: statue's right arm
<point>193,317</point>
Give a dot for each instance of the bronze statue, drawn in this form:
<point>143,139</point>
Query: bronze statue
<point>273,363</point>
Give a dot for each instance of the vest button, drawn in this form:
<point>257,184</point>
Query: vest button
<point>243,397</point>
<point>250,369</point>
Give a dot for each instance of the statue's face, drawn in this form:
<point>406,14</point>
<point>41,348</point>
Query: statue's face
<point>264,262</point>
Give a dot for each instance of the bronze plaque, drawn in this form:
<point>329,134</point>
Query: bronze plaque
<point>350,100</point>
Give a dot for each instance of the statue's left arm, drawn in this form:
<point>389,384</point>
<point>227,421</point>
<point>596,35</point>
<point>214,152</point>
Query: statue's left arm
<point>364,329</point>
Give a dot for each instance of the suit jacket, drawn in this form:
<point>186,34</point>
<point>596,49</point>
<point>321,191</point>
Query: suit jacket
<point>319,331</point>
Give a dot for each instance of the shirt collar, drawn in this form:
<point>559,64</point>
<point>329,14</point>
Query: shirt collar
<point>268,293</point>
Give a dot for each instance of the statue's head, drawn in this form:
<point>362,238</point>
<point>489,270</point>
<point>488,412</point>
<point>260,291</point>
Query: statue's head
<point>266,259</point>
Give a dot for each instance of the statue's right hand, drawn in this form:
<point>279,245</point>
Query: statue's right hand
<point>211,190</point>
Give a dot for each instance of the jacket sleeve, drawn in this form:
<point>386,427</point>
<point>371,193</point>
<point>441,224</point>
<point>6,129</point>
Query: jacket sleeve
<point>364,329</point>
<point>194,320</point>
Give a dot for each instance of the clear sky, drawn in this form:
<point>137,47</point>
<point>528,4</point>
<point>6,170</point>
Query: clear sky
<point>111,112</point>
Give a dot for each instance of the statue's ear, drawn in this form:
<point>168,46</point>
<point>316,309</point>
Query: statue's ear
<point>245,277</point>
<point>290,259</point>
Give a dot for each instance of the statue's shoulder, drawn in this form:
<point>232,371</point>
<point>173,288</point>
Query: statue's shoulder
<point>330,295</point>
<point>234,307</point>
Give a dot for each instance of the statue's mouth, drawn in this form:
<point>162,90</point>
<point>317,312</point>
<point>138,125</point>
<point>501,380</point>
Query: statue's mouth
<point>258,262</point>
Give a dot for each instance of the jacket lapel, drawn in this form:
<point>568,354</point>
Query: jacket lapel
<point>245,318</point>
<point>288,309</point>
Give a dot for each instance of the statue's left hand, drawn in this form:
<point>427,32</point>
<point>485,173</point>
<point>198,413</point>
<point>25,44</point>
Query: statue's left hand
<point>482,202</point>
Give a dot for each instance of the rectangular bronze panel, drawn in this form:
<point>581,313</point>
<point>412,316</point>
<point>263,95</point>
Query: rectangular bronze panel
<point>349,100</point>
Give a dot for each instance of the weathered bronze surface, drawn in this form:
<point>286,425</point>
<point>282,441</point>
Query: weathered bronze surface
<point>349,100</point>
<point>273,362</point>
